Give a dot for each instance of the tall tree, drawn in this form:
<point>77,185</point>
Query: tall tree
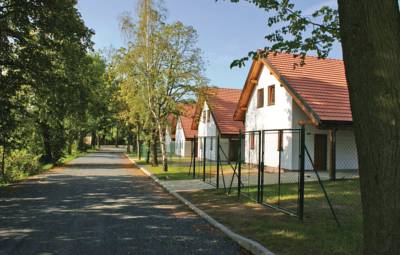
<point>165,65</point>
<point>370,34</point>
<point>42,42</point>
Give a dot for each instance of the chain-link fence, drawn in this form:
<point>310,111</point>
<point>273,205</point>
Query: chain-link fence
<point>179,153</point>
<point>332,190</point>
<point>214,160</point>
<point>281,165</point>
<point>286,169</point>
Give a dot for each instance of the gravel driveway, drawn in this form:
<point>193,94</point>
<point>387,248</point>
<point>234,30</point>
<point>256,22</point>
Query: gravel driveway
<point>99,204</point>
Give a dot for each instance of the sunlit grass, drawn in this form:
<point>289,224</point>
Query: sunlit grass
<point>284,234</point>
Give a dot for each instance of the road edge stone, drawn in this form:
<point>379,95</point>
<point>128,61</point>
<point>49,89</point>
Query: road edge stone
<point>248,244</point>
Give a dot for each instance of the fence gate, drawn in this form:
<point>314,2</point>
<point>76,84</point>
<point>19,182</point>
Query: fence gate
<point>282,170</point>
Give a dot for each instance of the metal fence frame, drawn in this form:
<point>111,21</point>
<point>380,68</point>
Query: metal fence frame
<point>226,179</point>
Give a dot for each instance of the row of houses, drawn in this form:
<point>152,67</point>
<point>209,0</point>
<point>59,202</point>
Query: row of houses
<point>277,95</point>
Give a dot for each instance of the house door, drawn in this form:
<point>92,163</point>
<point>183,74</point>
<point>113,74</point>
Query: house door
<point>233,149</point>
<point>320,152</point>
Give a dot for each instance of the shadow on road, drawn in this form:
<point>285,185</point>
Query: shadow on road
<point>82,212</point>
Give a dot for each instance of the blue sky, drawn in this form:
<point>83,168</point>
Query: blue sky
<point>226,31</point>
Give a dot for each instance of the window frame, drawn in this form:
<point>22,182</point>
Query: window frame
<point>271,95</point>
<point>260,95</point>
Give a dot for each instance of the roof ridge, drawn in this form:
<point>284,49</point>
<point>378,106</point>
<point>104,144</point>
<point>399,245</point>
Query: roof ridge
<point>219,88</point>
<point>307,56</point>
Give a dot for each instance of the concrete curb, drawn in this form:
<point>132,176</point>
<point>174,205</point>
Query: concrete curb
<point>248,244</point>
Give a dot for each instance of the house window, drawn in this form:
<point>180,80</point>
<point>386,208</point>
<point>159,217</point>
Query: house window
<point>211,144</point>
<point>271,95</point>
<point>204,116</point>
<point>260,98</point>
<point>252,142</point>
<point>208,116</point>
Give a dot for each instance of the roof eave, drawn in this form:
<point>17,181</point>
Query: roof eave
<point>336,124</point>
<point>241,108</point>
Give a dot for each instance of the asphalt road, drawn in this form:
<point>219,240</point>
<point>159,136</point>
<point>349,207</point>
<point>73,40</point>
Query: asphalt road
<point>99,204</point>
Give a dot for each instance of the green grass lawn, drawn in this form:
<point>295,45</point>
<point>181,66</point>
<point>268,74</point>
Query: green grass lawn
<point>284,234</point>
<point>176,170</point>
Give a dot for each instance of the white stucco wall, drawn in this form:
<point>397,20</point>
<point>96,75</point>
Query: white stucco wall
<point>311,131</point>
<point>286,114</point>
<point>209,130</point>
<point>277,116</point>
<point>183,147</point>
<point>346,150</point>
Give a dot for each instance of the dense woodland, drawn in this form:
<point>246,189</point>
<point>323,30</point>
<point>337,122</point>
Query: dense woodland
<point>54,87</point>
<point>56,90</point>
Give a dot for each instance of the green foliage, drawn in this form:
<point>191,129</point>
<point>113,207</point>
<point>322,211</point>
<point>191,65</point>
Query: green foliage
<point>52,89</point>
<point>293,31</point>
<point>19,164</point>
<point>160,68</point>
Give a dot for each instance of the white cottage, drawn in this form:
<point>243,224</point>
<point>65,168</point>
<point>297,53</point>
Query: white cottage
<point>279,94</point>
<point>184,135</point>
<point>214,118</point>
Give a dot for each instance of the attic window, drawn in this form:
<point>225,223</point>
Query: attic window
<point>208,116</point>
<point>271,95</point>
<point>204,116</point>
<point>260,98</point>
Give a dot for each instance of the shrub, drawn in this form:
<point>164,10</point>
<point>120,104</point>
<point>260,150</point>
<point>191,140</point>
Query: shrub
<point>19,164</point>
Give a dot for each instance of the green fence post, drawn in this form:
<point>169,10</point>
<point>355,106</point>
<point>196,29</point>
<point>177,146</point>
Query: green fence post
<point>194,156</point>
<point>240,163</point>
<point>218,161</point>
<point>204,159</point>
<point>302,168</point>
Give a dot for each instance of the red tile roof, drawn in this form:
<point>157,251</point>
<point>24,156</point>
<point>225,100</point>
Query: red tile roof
<point>320,85</point>
<point>222,103</point>
<point>186,117</point>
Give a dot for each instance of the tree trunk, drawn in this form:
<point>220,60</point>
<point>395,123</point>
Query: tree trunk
<point>138,147</point>
<point>370,33</point>
<point>81,142</point>
<point>94,138</point>
<point>69,149</point>
<point>148,152</point>
<point>161,132</point>
<point>103,140</point>
<point>3,161</point>
<point>48,156</point>
<point>154,158</point>
<point>116,138</point>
